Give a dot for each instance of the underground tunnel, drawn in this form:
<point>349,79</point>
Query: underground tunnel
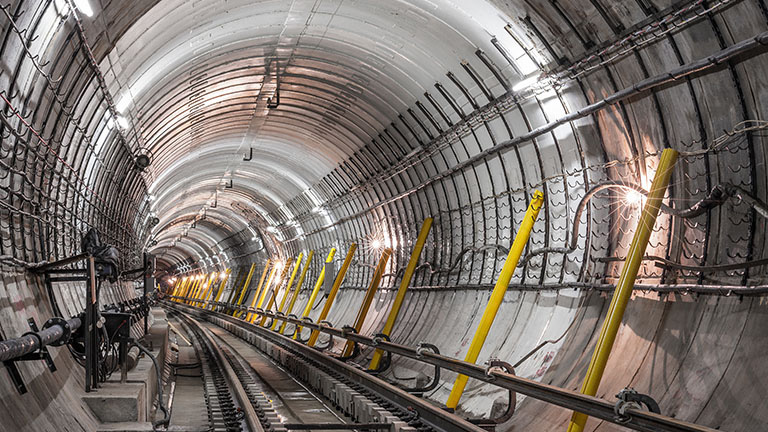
<point>383,215</point>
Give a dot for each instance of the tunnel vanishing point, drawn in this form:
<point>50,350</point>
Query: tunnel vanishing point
<point>383,215</point>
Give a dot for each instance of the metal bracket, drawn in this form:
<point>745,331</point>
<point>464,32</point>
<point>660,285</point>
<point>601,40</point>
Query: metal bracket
<point>387,361</point>
<point>297,330</point>
<point>40,354</point>
<point>629,398</point>
<point>330,337</point>
<point>490,424</point>
<point>355,347</point>
<point>423,347</point>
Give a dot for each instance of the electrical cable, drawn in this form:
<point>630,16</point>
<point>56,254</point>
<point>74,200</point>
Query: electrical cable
<point>165,420</point>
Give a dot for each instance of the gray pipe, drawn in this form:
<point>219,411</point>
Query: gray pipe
<point>14,348</point>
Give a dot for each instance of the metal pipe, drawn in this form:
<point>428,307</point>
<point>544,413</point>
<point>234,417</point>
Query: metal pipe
<point>497,296</point>
<point>296,291</point>
<point>368,299</point>
<point>315,290</point>
<point>273,298</point>
<point>407,276</point>
<point>14,348</point>
<point>290,283</point>
<point>334,290</point>
<point>221,287</point>
<point>625,284</point>
<point>264,291</point>
<point>247,282</point>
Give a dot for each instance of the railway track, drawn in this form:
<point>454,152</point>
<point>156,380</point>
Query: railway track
<point>241,398</point>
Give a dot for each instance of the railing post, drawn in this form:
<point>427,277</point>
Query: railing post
<point>315,290</point>
<point>370,293</point>
<point>626,282</point>
<point>497,295</point>
<point>263,291</point>
<point>334,290</point>
<point>407,276</point>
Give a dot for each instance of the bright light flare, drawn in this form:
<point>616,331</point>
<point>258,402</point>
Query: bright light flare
<point>633,197</point>
<point>84,7</point>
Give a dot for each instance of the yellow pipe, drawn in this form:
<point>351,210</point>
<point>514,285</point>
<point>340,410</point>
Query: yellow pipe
<point>275,291</point>
<point>199,289</point>
<point>262,286</point>
<point>175,286</point>
<point>370,293</point>
<point>187,285</point>
<point>407,276</point>
<point>334,290</point>
<point>290,282</point>
<point>245,286</point>
<point>625,283</point>
<point>315,290</point>
<point>204,293</point>
<point>296,291</point>
<point>221,288</point>
<point>264,292</point>
<point>191,294</point>
<point>238,279</point>
<point>182,288</point>
<point>497,296</point>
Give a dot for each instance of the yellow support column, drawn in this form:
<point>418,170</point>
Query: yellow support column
<point>204,293</point>
<point>246,283</point>
<point>268,285</point>
<point>334,290</point>
<point>273,298</point>
<point>407,276</point>
<point>183,288</point>
<point>295,294</point>
<point>174,287</point>
<point>370,293</point>
<point>497,296</point>
<point>193,290</point>
<point>241,272</point>
<point>206,281</point>
<point>221,288</point>
<point>315,290</point>
<point>288,286</point>
<point>625,283</point>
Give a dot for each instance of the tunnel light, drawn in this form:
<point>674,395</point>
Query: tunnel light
<point>524,84</point>
<point>376,244</point>
<point>122,122</point>
<point>84,6</point>
<point>633,197</point>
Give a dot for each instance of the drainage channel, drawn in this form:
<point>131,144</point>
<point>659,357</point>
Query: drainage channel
<point>366,401</point>
<point>324,401</point>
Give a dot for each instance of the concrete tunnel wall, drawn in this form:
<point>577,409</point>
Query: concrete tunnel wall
<point>369,156</point>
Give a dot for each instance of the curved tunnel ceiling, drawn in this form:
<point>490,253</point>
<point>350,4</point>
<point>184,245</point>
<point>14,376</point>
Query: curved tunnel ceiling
<point>391,112</point>
<point>195,78</point>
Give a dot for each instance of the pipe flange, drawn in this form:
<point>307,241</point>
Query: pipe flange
<point>64,327</point>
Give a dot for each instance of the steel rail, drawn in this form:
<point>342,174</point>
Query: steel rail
<point>251,418</point>
<point>592,406</point>
<point>429,413</point>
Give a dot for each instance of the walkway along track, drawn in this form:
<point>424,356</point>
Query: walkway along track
<point>428,413</point>
<point>368,411</point>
